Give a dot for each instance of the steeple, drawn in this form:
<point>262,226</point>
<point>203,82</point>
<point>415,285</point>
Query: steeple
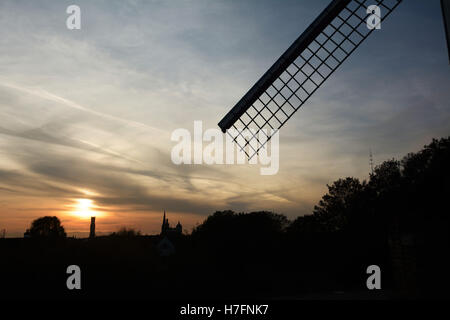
<point>166,229</point>
<point>164,222</point>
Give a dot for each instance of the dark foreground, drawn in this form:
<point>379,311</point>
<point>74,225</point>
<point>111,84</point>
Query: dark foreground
<point>398,220</point>
<point>132,268</point>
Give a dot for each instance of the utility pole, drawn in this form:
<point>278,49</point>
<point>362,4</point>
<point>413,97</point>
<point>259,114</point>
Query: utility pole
<point>371,161</point>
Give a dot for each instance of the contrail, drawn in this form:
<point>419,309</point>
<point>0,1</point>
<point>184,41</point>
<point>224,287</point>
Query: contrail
<point>52,97</point>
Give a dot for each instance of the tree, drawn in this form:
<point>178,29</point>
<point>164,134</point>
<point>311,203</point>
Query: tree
<point>46,227</point>
<point>126,233</point>
<point>231,235</point>
<point>224,224</point>
<point>386,177</point>
<point>342,203</point>
<point>305,225</point>
<point>427,175</point>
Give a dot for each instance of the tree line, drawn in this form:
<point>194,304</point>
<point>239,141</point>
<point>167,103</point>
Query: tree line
<point>398,219</point>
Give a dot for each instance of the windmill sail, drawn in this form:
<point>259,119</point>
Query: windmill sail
<point>300,71</point>
<point>445,5</point>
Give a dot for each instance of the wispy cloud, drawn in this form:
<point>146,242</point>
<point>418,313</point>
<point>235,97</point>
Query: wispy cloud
<point>94,108</point>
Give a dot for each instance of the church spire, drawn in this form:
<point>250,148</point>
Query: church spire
<point>166,229</point>
<point>164,223</point>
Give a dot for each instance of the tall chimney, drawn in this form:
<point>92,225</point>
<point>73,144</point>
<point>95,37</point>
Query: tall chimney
<point>92,233</point>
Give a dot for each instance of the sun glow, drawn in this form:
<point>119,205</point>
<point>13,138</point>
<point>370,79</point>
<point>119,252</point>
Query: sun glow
<point>84,208</point>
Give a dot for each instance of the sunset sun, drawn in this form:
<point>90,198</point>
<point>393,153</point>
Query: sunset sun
<point>84,208</point>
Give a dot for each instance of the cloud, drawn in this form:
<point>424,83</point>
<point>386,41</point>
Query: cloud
<point>94,108</point>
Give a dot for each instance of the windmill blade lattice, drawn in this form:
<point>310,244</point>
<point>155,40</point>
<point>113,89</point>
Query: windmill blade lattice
<point>300,71</point>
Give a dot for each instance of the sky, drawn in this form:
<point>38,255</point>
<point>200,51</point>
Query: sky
<point>86,116</point>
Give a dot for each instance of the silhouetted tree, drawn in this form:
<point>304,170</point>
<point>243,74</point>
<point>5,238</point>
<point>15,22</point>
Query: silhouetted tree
<point>426,177</point>
<point>126,233</point>
<point>342,202</point>
<point>306,225</point>
<point>230,235</point>
<point>46,227</point>
<point>229,224</point>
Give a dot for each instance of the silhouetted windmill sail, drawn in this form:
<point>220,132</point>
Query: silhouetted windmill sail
<point>445,5</point>
<point>300,71</point>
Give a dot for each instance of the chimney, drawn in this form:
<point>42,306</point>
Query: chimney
<point>92,233</point>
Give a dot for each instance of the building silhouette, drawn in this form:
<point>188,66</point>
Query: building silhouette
<point>92,232</point>
<point>167,230</point>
